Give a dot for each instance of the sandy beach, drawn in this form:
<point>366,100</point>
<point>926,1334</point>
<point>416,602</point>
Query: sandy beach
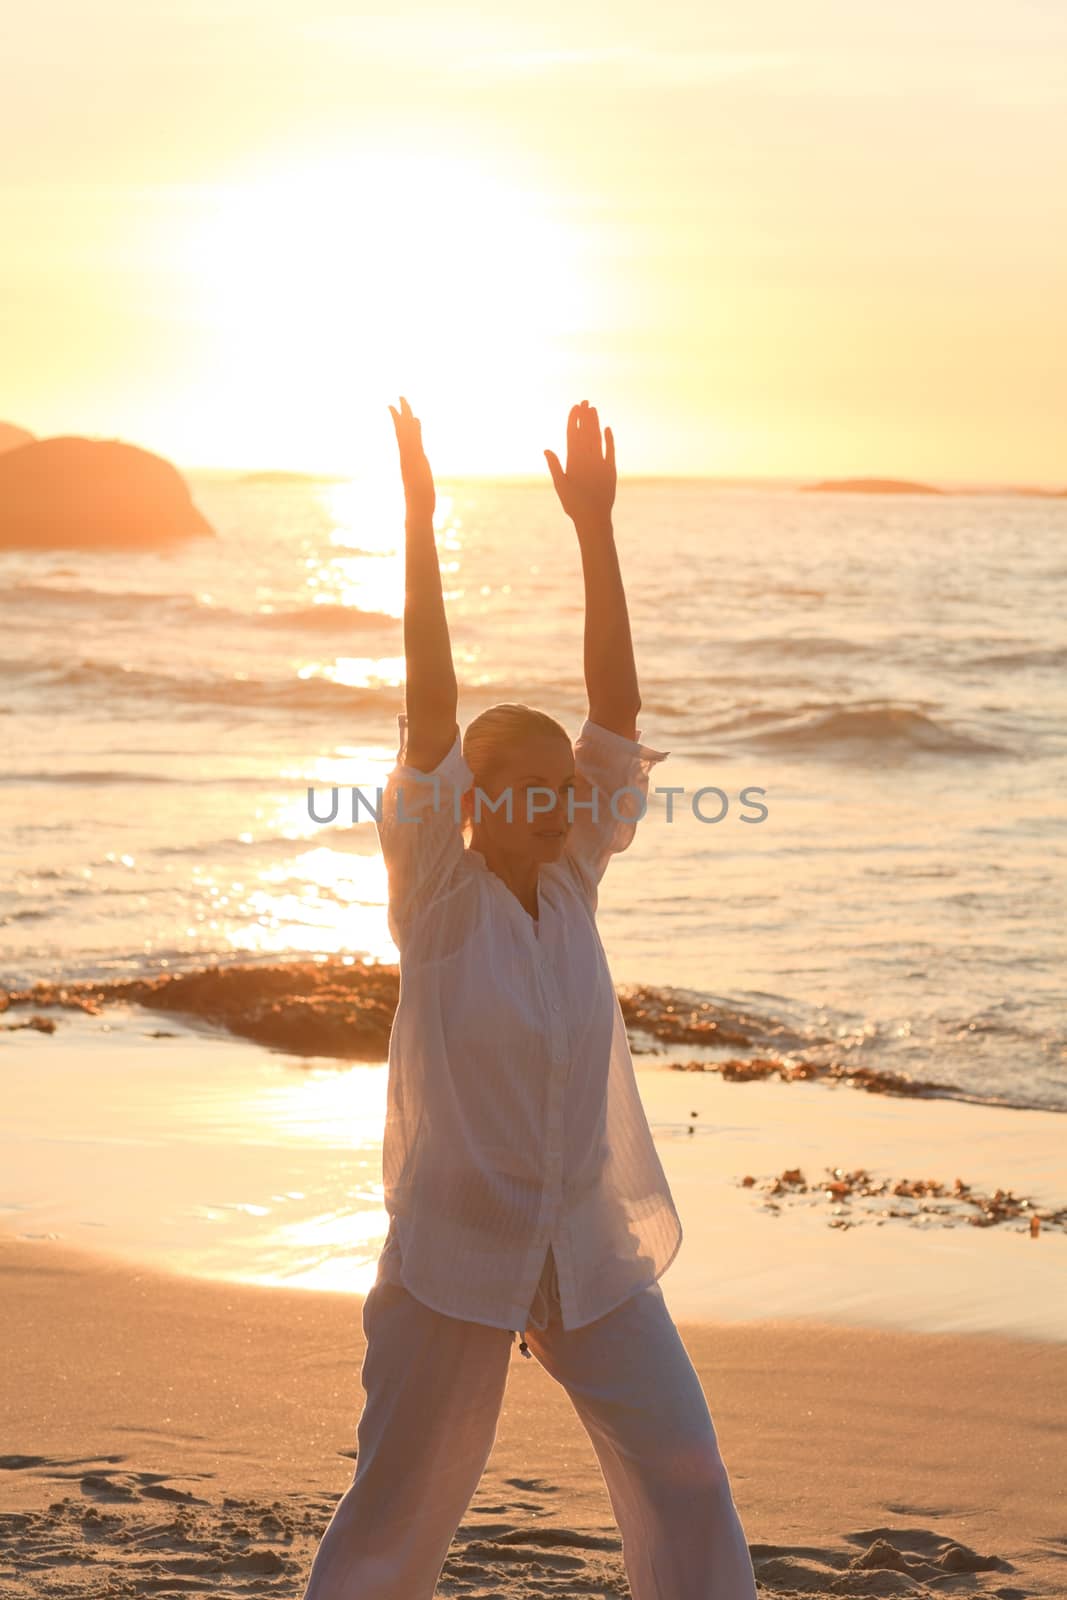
<point>165,1435</point>
<point>190,1222</point>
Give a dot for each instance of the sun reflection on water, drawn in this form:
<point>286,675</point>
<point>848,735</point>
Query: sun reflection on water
<point>358,672</point>
<point>365,567</point>
<point>321,901</point>
<point>335,1236</point>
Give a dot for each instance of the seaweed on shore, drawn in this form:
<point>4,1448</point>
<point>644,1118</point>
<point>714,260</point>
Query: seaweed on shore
<point>951,1204</point>
<point>754,1068</point>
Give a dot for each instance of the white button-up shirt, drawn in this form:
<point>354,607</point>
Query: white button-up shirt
<point>513,1119</point>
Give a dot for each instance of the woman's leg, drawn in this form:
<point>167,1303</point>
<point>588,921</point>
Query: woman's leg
<point>641,1402</point>
<point>434,1387</point>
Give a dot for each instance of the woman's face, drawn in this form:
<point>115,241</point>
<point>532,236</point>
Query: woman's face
<point>540,775</point>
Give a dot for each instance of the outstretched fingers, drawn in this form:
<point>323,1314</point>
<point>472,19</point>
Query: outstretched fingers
<point>591,431</point>
<point>408,426</point>
<point>584,443</point>
<point>573,439</point>
<point>554,467</point>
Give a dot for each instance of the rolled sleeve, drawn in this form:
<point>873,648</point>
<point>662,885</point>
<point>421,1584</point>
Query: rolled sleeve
<point>420,832</point>
<point>609,768</point>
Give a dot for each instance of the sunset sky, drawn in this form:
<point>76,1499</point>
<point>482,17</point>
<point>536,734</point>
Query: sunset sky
<point>769,239</point>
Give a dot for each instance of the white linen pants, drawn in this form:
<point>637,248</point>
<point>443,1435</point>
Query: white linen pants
<point>434,1388</point>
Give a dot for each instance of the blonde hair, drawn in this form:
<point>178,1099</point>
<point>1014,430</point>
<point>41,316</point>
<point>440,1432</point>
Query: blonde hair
<point>499,730</point>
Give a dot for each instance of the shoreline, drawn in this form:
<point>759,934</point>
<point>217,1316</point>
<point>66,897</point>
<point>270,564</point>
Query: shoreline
<point>342,1007</point>
<point>183,1145</point>
<point>204,1446</point>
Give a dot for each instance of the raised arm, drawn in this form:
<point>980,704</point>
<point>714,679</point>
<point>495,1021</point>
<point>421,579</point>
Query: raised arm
<point>431,694</point>
<point>609,758</point>
<point>587,493</point>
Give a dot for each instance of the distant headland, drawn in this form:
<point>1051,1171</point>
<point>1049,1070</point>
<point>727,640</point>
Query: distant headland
<point>905,486</point>
<point>11,437</point>
<point>71,492</point>
<point>870,486</point>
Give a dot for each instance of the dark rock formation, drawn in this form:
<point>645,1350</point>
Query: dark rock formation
<point>76,493</point>
<point>305,1008</point>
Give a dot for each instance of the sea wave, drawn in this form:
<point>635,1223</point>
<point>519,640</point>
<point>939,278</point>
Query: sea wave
<point>890,727</point>
<point>322,618</point>
<point>1054,659</point>
<point>127,604</point>
<point>802,644</point>
<point>145,692</point>
<point>90,777</point>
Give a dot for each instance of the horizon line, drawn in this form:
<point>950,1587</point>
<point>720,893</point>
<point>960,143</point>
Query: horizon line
<point>793,480</point>
<point>785,480</point>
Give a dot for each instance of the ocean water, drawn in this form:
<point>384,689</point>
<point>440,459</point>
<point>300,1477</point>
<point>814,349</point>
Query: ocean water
<point>891,672</point>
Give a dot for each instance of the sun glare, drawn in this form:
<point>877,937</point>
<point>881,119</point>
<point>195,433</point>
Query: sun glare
<point>328,287</point>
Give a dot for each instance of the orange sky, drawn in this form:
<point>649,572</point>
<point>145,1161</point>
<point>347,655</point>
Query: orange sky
<point>763,239</point>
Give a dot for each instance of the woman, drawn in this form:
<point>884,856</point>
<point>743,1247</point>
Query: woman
<point>524,1190</point>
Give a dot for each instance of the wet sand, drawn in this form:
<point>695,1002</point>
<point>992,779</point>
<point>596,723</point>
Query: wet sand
<point>185,1148</point>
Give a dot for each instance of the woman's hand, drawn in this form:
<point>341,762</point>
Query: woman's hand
<point>414,468</point>
<point>430,693</point>
<point>587,489</point>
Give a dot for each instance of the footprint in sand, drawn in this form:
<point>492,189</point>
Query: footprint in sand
<point>905,1562</point>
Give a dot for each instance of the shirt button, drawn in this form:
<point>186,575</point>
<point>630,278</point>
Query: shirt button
<point>555,1005</point>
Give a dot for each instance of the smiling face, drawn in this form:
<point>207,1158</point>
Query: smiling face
<point>540,774</point>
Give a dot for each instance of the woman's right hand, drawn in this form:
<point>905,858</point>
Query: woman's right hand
<point>414,467</point>
<point>587,489</point>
